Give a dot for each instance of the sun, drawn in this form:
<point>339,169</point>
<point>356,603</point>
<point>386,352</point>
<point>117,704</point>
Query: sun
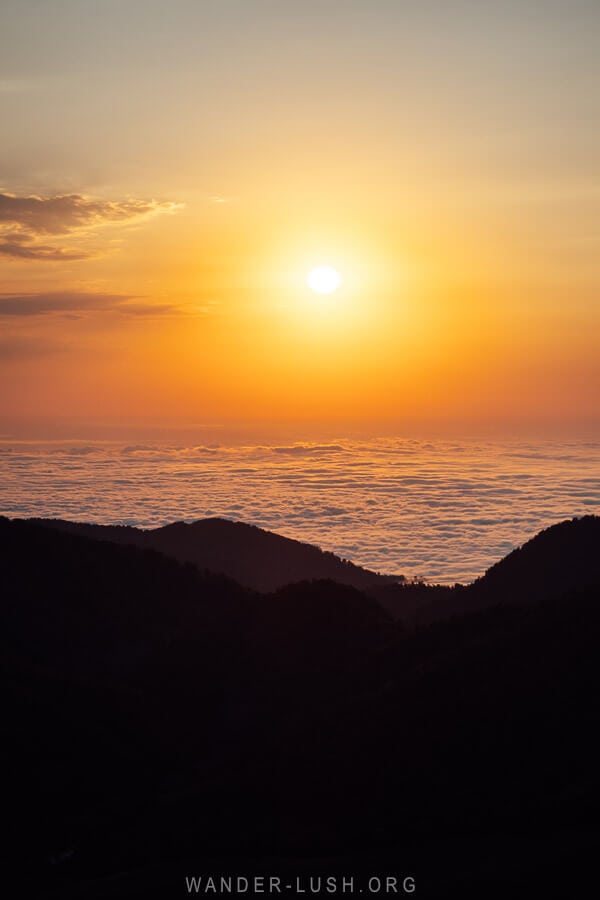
<point>323,280</point>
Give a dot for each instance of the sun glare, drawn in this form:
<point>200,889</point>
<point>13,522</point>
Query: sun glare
<point>323,280</point>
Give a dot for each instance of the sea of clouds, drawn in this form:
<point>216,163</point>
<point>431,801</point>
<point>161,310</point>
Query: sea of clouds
<point>444,510</point>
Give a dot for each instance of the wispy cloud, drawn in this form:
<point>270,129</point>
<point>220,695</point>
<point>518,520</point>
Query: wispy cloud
<point>18,246</point>
<point>78,302</point>
<point>26,220</point>
<point>63,213</point>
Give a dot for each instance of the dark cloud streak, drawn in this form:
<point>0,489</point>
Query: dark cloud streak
<point>69,302</point>
<point>17,250</point>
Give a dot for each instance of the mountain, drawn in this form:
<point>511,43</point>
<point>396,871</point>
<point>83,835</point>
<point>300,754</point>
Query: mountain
<point>159,720</point>
<point>124,671</point>
<point>255,558</point>
<point>564,557</point>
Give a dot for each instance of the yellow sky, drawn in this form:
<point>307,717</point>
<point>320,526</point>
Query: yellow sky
<point>169,182</point>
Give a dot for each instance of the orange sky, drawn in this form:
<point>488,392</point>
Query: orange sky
<point>168,182</point>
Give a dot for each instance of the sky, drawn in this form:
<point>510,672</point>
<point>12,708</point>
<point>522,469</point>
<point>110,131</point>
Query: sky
<point>171,172</point>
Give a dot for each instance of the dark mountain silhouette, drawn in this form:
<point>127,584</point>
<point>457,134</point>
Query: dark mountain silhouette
<point>562,558</point>
<point>159,721</point>
<point>256,558</point>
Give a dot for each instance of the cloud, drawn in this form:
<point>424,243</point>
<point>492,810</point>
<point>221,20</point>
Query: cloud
<point>17,250</point>
<point>138,448</point>
<point>78,302</point>
<point>26,220</point>
<point>63,213</point>
<point>57,301</point>
<point>389,510</point>
<point>307,450</point>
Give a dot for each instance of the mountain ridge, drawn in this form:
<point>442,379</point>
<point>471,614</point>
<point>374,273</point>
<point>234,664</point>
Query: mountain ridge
<point>255,557</point>
<point>155,711</point>
<point>562,557</point>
